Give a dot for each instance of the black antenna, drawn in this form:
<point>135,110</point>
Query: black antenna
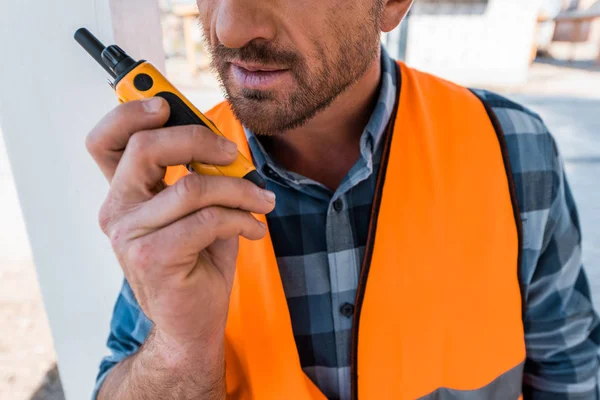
<point>94,47</point>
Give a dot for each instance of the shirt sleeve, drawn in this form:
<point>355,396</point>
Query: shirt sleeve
<point>129,329</point>
<point>562,330</point>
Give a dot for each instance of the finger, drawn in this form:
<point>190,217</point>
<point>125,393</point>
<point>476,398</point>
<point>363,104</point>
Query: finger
<point>185,238</point>
<point>108,139</point>
<point>194,192</point>
<point>148,153</point>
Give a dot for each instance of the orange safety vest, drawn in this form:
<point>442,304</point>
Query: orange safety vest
<point>438,308</point>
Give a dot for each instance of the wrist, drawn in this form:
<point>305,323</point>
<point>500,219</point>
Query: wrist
<point>163,367</point>
<point>201,364</point>
<point>175,354</point>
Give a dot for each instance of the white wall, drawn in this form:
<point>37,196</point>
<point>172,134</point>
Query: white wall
<point>51,94</point>
<point>488,49</point>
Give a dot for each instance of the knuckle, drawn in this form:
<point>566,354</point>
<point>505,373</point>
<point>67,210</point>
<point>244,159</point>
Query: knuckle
<point>199,135</point>
<point>114,118</point>
<point>208,217</point>
<point>105,215</point>
<point>140,255</point>
<point>112,223</point>
<point>242,191</point>
<point>116,235</point>
<point>139,142</point>
<point>190,186</point>
<point>92,142</point>
<point>182,188</point>
<point>198,132</point>
<point>249,189</point>
<point>97,136</point>
<point>104,221</point>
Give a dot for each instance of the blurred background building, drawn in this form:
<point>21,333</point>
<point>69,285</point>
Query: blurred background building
<point>543,53</point>
<point>474,42</point>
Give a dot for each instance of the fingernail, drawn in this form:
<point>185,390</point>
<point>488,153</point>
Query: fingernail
<point>268,196</point>
<point>228,146</point>
<point>152,105</point>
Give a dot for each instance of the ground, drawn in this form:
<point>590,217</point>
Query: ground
<point>567,97</point>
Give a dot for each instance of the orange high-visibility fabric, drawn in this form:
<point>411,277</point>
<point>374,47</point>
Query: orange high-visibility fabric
<point>442,306</point>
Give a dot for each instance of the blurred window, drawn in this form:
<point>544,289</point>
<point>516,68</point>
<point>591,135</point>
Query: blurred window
<point>449,7</point>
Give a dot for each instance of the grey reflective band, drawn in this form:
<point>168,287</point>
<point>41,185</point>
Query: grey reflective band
<point>506,387</point>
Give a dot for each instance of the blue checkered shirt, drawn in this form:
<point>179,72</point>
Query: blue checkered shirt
<point>319,237</point>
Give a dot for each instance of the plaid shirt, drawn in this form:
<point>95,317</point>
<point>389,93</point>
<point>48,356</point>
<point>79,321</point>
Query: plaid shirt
<point>319,238</point>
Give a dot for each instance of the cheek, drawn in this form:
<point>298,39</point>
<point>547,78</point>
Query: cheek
<point>320,26</point>
<point>307,28</point>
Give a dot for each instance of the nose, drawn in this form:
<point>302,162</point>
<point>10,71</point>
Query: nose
<point>242,21</point>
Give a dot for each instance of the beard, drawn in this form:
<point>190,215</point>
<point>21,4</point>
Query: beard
<point>319,78</point>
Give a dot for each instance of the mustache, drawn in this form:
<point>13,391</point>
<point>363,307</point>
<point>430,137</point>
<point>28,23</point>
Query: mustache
<point>256,53</point>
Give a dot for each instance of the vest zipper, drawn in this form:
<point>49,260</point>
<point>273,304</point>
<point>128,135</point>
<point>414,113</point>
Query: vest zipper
<point>366,264</point>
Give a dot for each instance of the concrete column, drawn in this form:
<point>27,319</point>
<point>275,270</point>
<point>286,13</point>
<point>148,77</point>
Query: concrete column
<point>136,27</point>
<point>51,94</point>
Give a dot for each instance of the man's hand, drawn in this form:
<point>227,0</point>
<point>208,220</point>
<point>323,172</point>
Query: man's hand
<point>177,245</point>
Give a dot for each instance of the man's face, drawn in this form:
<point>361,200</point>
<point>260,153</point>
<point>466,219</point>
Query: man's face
<point>281,62</point>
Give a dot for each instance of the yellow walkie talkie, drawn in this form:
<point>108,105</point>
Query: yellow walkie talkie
<point>137,80</point>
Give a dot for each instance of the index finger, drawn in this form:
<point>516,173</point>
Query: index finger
<point>108,139</point>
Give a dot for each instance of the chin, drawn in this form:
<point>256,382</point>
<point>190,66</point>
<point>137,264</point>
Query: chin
<point>255,115</point>
<point>266,115</point>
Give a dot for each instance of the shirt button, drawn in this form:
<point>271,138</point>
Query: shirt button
<point>338,205</point>
<point>268,171</point>
<point>347,310</point>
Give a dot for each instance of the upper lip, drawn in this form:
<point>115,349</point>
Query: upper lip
<point>255,67</point>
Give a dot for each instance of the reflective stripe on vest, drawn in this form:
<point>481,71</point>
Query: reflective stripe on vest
<point>438,306</point>
<point>506,386</point>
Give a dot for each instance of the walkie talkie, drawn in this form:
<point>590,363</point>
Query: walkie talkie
<point>137,80</point>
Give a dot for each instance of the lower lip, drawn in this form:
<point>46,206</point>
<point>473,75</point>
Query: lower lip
<point>258,80</point>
